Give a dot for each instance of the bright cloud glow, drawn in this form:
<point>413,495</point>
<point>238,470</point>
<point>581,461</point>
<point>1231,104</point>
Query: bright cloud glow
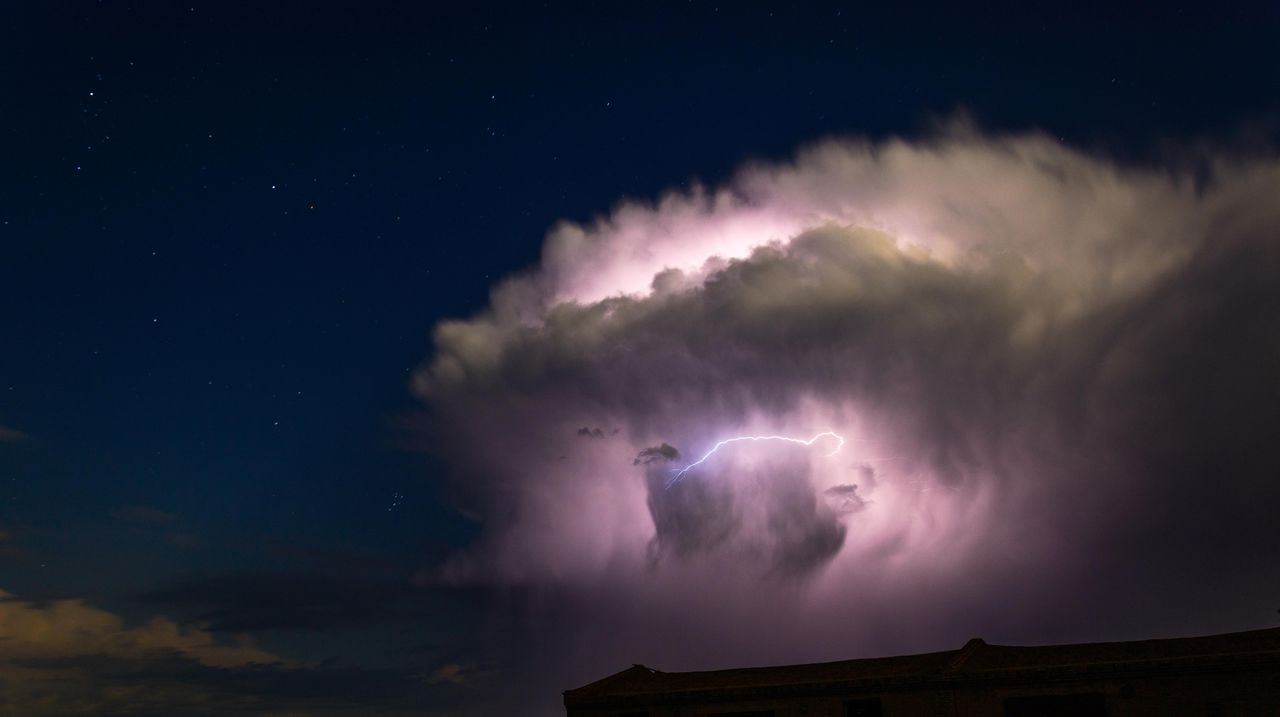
<point>1041,356</point>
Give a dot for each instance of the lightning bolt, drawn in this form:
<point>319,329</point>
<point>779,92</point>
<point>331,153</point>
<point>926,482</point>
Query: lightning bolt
<point>737,439</point>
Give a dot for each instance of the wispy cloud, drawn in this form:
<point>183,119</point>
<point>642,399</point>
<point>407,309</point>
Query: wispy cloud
<point>12,435</point>
<point>452,673</point>
<point>71,627</point>
<point>275,601</point>
<point>144,514</point>
<point>70,657</point>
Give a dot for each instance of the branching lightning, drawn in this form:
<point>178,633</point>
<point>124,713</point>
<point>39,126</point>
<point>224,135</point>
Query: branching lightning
<point>680,474</point>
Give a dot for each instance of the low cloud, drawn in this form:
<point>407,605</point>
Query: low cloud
<point>8,548</point>
<point>453,673</point>
<point>69,628</point>
<point>12,435</point>
<point>286,601</point>
<point>69,657</point>
<point>143,514</point>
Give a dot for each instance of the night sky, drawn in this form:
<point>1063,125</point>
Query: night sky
<point>281,433</point>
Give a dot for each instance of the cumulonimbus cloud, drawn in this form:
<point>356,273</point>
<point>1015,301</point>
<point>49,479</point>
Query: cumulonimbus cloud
<point>1055,375</point>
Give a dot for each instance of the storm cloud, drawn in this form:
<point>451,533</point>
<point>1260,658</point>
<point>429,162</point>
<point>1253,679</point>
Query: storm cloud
<point>1055,375</point>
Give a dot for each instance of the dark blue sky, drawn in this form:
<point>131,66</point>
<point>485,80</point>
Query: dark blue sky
<point>229,228</point>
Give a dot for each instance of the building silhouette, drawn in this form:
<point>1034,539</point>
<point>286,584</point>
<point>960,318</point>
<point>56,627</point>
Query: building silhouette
<point>1231,675</point>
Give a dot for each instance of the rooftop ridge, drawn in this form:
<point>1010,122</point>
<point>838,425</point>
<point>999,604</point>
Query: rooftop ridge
<point>973,660</point>
<point>963,655</point>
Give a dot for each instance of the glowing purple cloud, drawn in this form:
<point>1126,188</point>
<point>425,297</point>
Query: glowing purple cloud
<point>736,439</point>
<point>1054,355</point>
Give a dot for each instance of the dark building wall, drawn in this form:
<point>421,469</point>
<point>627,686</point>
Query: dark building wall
<point>1213,694</point>
<point>1237,693</point>
<point>1229,675</point>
